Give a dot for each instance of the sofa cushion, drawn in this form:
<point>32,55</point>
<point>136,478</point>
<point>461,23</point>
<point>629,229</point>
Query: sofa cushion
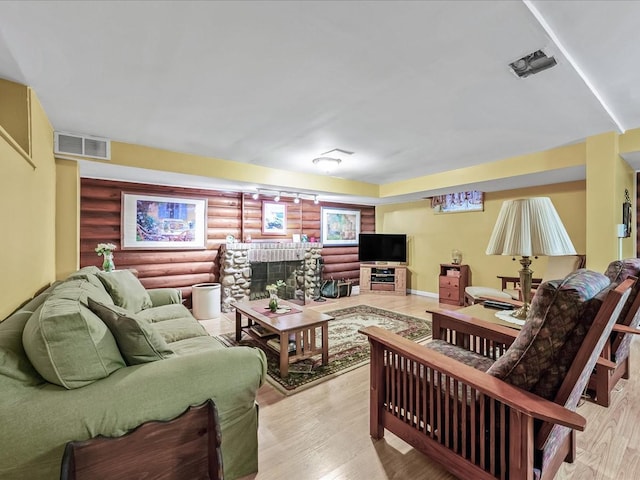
<point>69,345</point>
<point>555,327</point>
<point>165,312</point>
<point>177,329</point>
<point>79,289</point>
<point>137,339</point>
<point>125,290</point>
<point>13,359</point>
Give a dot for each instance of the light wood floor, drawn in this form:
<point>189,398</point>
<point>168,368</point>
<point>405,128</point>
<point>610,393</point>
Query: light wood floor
<point>323,432</point>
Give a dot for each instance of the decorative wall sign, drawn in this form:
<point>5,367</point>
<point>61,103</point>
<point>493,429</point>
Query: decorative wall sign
<point>162,223</point>
<point>274,218</point>
<point>340,226</point>
<point>471,201</point>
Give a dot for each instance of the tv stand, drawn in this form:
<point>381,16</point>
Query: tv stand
<point>384,279</point>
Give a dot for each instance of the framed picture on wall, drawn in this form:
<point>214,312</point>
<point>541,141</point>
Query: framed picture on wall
<point>274,218</point>
<point>471,201</point>
<point>339,226</point>
<point>153,222</point>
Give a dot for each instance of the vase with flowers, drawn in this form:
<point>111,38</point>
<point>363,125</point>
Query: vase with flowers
<point>106,250</point>
<point>273,294</point>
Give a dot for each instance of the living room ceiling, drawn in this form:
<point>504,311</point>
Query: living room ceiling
<point>413,88</point>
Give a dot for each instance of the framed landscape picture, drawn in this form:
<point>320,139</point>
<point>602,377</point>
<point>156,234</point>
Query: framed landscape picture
<point>471,201</point>
<point>274,218</point>
<point>163,223</point>
<point>340,226</point>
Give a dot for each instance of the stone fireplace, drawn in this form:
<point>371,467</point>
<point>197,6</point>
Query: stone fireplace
<point>247,268</point>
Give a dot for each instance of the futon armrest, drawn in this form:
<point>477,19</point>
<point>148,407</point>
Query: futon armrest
<point>164,296</point>
<point>625,329</point>
<point>446,321</point>
<point>516,398</point>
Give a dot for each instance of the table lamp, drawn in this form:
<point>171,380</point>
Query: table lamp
<point>529,227</point>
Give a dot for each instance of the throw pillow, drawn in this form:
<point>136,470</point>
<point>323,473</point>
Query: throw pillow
<point>69,345</point>
<point>543,349</point>
<point>137,339</point>
<point>126,290</point>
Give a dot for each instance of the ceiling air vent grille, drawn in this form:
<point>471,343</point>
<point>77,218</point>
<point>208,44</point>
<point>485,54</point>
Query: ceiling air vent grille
<point>84,145</point>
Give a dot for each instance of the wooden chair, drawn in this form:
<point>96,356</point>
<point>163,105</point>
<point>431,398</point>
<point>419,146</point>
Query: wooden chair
<point>474,423</point>
<point>557,267</point>
<point>187,447</point>
<point>613,363</point>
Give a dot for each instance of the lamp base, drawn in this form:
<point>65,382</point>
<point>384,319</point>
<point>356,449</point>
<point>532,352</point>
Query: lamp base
<point>522,312</point>
<point>526,274</point>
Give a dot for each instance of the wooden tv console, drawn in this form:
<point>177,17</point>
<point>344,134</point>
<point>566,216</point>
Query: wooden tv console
<point>384,279</point>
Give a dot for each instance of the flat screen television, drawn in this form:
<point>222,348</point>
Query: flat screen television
<point>382,247</point>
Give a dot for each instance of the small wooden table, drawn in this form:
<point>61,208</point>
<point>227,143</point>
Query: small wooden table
<point>302,323</point>
<point>487,314</point>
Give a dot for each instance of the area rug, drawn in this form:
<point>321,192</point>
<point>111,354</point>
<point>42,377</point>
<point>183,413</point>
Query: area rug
<point>348,349</point>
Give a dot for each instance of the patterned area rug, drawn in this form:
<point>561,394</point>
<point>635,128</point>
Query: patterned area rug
<point>348,349</point>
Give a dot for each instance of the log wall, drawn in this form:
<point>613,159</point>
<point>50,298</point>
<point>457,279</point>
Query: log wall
<point>234,214</point>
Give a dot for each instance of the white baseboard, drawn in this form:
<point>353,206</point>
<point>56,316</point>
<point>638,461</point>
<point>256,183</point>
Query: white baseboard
<point>423,294</point>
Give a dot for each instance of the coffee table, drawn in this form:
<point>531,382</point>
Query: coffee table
<point>300,323</point>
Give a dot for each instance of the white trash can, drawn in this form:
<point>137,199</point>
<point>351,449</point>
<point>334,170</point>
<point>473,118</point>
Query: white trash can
<point>205,300</point>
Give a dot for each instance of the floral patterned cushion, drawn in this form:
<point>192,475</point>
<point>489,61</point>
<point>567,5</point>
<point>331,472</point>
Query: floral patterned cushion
<point>460,354</point>
<point>618,271</point>
<point>560,315</point>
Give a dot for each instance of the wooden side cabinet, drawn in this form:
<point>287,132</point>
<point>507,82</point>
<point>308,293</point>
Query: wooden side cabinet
<point>390,280</point>
<point>452,282</point>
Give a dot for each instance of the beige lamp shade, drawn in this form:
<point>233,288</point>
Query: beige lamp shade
<point>529,227</point>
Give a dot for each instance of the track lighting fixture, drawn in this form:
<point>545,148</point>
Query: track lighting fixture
<point>276,196</point>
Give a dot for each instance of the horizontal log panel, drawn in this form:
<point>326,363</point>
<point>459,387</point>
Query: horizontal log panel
<point>89,205</point>
<point>108,219</point>
<point>173,269</point>
<point>224,222</point>
<point>340,267</point>
<point>347,250</point>
<point>223,232</point>
<point>103,234</point>
<point>352,275</point>
<point>149,257</point>
<point>225,211</point>
<point>346,258</point>
<point>176,281</point>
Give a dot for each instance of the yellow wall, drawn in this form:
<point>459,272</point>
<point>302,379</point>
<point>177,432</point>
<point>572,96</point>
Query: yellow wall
<point>68,222</point>
<point>432,236</point>
<point>27,244</point>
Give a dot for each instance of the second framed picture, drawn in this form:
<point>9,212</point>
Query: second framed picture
<point>274,218</point>
<point>340,226</point>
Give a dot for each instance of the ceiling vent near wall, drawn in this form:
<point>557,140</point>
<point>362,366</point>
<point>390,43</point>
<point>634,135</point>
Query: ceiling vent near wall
<point>535,62</point>
<point>83,145</point>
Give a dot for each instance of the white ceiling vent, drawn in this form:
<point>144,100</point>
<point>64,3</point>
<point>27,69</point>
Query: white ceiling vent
<point>84,145</point>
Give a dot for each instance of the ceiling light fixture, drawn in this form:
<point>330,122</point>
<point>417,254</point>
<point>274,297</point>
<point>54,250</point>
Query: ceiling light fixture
<point>255,195</point>
<point>296,199</point>
<point>315,199</point>
<point>277,197</point>
<point>327,164</point>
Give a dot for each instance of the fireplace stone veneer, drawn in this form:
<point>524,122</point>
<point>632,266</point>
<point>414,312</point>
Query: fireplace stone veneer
<point>236,260</point>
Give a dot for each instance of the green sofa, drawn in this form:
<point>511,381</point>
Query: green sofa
<point>96,354</point>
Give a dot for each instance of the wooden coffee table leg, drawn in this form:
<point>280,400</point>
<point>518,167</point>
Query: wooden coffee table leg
<point>325,343</point>
<point>238,326</point>
<point>284,354</point>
